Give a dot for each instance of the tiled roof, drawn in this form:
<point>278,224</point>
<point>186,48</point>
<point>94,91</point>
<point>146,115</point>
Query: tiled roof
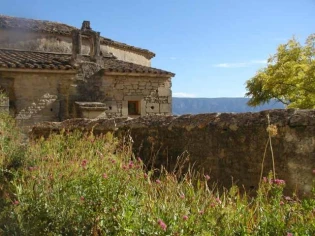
<point>113,65</point>
<point>13,58</point>
<point>8,22</point>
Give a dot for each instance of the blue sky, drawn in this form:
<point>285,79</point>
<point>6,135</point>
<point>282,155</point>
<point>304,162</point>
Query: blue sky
<point>213,46</point>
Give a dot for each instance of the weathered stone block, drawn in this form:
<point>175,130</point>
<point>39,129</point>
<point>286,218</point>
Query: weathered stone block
<point>152,107</point>
<point>164,92</point>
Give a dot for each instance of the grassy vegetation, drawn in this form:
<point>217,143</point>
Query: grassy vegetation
<point>79,184</point>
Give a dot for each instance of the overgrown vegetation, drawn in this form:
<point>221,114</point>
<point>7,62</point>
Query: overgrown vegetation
<point>79,184</point>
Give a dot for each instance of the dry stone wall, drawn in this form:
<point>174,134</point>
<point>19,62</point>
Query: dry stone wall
<point>228,147</point>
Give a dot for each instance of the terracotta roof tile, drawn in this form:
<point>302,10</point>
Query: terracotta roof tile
<point>23,24</point>
<point>114,65</point>
<point>10,58</point>
<point>13,58</point>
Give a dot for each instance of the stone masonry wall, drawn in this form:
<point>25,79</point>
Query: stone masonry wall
<point>37,97</point>
<point>228,147</point>
<point>153,93</point>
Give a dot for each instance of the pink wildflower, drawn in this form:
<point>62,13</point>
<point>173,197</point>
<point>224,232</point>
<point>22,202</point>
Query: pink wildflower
<point>158,181</point>
<point>82,198</point>
<point>207,177</point>
<point>182,196</point>
<point>162,224</point>
<point>279,181</point>
<point>16,202</point>
<point>314,171</point>
<point>265,179</point>
<point>289,234</point>
<point>201,212</point>
<point>84,163</point>
<point>124,167</point>
<point>131,165</point>
<point>185,217</point>
<point>145,175</point>
<point>218,200</point>
<point>281,203</point>
<point>105,176</point>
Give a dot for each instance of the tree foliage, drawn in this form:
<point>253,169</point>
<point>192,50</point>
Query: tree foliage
<point>289,76</point>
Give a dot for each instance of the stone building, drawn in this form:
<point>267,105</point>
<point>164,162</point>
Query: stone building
<point>52,72</point>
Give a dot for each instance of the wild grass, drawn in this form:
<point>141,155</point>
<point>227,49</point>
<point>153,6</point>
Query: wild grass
<point>79,184</point>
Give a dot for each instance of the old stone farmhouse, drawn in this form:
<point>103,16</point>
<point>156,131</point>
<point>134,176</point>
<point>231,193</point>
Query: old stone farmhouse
<point>52,72</point>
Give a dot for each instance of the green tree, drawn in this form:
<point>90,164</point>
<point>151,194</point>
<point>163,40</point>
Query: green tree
<point>289,76</point>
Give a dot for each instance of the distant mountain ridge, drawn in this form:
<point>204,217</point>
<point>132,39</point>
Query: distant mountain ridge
<point>207,105</point>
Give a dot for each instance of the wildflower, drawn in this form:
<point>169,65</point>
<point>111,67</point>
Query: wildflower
<point>281,203</point>
<point>82,198</point>
<point>16,202</point>
<point>314,171</point>
<point>289,234</point>
<point>279,181</point>
<point>185,217</point>
<point>265,179</point>
<point>218,200</point>
<point>105,176</point>
<point>158,181</point>
<point>182,196</point>
<point>288,198</point>
<point>84,163</point>
<point>124,167</point>
<point>207,177</point>
<point>201,212</point>
<point>162,224</point>
<point>131,165</point>
<point>145,175</point>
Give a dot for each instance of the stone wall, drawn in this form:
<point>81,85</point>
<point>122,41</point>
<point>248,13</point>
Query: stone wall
<point>228,147</point>
<point>153,93</point>
<point>63,44</point>
<point>37,97</point>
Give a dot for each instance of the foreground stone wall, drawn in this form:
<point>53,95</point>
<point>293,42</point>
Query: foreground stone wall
<point>228,147</point>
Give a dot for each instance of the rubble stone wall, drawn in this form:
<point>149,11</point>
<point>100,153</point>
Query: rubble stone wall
<point>228,147</point>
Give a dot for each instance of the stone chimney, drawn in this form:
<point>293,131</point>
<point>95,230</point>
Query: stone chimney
<point>93,38</point>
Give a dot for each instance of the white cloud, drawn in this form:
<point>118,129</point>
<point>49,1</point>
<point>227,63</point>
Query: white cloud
<point>184,95</point>
<point>240,64</point>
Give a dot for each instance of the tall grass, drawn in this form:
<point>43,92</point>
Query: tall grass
<point>79,184</point>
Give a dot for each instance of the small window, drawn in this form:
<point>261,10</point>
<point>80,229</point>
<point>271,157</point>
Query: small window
<point>133,108</point>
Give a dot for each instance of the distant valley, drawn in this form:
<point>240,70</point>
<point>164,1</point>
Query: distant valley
<point>208,105</point>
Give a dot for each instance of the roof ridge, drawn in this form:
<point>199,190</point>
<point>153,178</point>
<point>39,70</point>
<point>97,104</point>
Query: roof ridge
<point>65,31</point>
